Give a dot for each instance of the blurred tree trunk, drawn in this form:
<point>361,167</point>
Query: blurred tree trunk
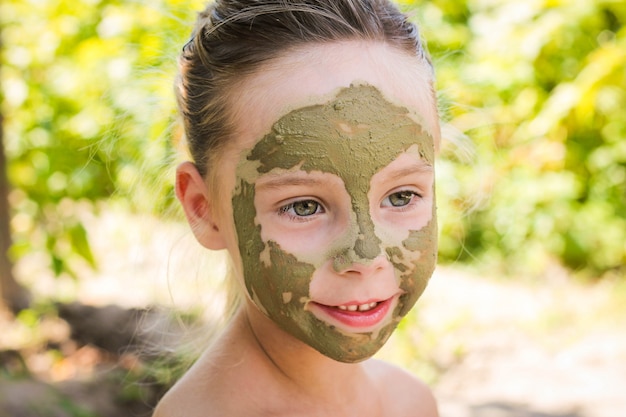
<point>12,294</point>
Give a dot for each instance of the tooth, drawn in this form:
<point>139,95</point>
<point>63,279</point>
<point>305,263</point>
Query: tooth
<point>364,307</point>
<point>352,308</point>
<point>343,308</point>
<point>374,304</point>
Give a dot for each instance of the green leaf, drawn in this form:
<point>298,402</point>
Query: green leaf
<point>80,243</point>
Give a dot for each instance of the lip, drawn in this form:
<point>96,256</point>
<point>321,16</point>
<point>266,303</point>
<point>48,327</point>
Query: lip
<point>356,321</point>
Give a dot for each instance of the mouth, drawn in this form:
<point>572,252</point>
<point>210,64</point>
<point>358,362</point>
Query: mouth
<point>358,307</point>
<point>358,317</point>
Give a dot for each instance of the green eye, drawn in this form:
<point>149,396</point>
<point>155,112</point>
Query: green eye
<point>305,208</point>
<point>302,208</point>
<point>401,198</point>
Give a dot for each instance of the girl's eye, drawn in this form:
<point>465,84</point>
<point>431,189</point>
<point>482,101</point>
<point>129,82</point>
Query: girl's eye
<point>399,199</point>
<point>302,208</point>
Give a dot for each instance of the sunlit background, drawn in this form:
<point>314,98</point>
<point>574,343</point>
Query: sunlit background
<point>524,317</point>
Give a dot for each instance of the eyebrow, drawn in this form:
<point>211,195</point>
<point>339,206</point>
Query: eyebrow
<point>416,168</point>
<point>275,181</point>
<point>278,181</point>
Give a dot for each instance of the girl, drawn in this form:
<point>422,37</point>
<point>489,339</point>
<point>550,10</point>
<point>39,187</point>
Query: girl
<point>313,126</point>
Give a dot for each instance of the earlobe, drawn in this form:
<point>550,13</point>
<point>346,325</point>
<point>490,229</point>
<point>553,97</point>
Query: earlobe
<point>193,194</point>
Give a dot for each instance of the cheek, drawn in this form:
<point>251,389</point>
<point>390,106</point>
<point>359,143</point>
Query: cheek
<point>415,260</point>
<point>247,247</point>
<point>307,242</point>
<point>310,241</point>
<point>281,288</point>
<point>405,238</point>
<point>275,279</point>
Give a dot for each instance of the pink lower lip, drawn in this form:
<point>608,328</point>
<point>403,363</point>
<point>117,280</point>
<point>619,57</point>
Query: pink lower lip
<point>359,319</point>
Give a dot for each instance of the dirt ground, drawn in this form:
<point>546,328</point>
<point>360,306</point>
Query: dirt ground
<point>531,350</point>
<point>489,347</point>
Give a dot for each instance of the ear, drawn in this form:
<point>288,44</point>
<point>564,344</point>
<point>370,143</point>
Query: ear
<point>193,194</point>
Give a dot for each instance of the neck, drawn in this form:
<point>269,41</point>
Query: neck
<point>300,367</point>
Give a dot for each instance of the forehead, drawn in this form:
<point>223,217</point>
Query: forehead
<point>315,74</point>
<point>354,135</point>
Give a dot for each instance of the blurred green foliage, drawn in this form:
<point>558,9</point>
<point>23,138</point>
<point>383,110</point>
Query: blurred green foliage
<point>88,107</point>
<point>538,86</point>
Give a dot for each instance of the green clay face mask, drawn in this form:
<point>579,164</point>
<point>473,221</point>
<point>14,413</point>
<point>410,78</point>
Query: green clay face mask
<point>353,139</point>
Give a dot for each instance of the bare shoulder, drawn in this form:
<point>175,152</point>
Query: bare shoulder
<point>192,396</point>
<point>170,404</point>
<point>408,395</point>
<point>182,400</point>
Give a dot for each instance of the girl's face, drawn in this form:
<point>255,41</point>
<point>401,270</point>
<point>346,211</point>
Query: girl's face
<point>333,202</point>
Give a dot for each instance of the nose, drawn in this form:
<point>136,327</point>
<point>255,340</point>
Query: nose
<point>363,252</point>
<point>346,263</point>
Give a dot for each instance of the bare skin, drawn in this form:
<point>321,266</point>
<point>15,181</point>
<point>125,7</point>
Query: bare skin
<point>256,368</point>
<point>226,381</point>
